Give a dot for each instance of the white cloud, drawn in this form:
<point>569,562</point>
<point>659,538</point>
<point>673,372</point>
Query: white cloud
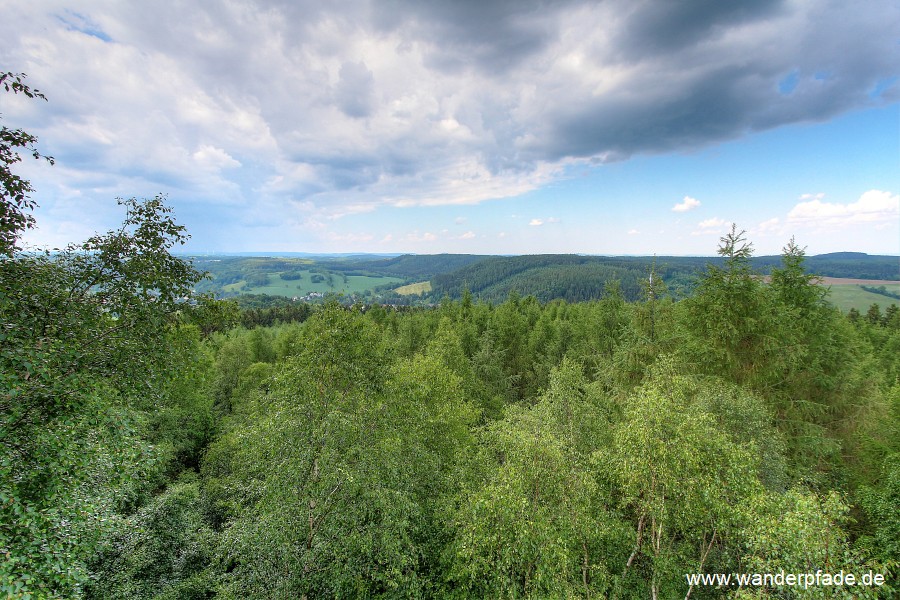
<point>633,232</point>
<point>416,237</point>
<point>212,158</point>
<point>713,223</point>
<point>536,222</point>
<point>687,204</point>
<point>349,237</point>
<point>467,235</point>
<point>806,197</point>
<point>874,207</point>
<point>708,226</point>
<point>769,227</point>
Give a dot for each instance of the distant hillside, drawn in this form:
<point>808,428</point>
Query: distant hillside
<point>855,265</point>
<point>577,278</point>
<point>571,277</point>
<point>413,266</point>
<point>851,265</point>
<point>843,255</point>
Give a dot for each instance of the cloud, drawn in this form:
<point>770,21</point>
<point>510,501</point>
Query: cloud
<point>349,237</point>
<point>874,207</point>
<point>715,222</point>
<point>348,209</point>
<point>687,204</point>
<point>416,237</point>
<point>807,197</point>
<point>355,93</point>
<point>467,235</point>
<point>633,232</point>
<point>536,222</point>
<point>769,227</point>
<point>212,158</point>
<point>408,103</point>
<point>81,24</point>
<point>708,226</point>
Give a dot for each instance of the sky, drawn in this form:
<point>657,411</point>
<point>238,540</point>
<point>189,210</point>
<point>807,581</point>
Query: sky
<point>473,126</point>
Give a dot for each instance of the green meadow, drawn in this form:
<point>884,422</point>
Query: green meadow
<point>333,283</point>
<point>423,287</point>
<point>847,296</point>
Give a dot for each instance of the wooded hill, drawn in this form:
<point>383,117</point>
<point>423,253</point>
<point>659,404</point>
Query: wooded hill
<point>574,278</point>
<point>578,278</point>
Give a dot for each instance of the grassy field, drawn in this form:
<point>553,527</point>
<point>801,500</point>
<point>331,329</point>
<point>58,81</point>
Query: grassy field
<point>423,287</point>
<point>355,284</point>
<point>850,295</point>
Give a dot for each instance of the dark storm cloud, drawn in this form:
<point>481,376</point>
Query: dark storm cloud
<point>710,71</point>
<point>491,37</point>
<point>450,101</point>
<point>720,106</point>
<point>698,71</point>
<point>657,27</point>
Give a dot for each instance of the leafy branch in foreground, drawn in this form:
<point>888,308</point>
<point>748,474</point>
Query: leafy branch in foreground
<point>86,350</point>
<point>15,200</point>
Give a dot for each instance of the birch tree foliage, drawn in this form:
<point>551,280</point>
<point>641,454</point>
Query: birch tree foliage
<point>331,480</point>
<point>530,519</point>
<point>803,532</point>
<point>679,476</point>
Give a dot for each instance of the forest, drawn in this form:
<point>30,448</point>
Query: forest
<point>158,443</point>
<point>575,278</point>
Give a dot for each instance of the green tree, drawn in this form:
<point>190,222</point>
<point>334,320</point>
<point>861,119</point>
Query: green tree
<point>880,503</point>
<point>826,395</point>
<point>793,286</point>
<point>15,199</point>
<point>162,550</point>
<point>528,520</point>
<point>892,317</point>
<point>680,476</point>
<point>801,532</point>
<point>329,480</point>
<point>85,350</point>
<point>873,315</point>
<point>732,320</point>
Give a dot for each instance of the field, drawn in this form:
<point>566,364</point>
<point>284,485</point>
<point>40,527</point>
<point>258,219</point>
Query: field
<point>847,293</point>
<point>423,287</point>
<point>354,284</point>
